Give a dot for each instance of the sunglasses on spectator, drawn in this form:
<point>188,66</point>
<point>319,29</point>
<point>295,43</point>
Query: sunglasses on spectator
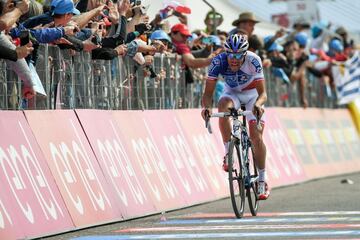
<point>236,56</point>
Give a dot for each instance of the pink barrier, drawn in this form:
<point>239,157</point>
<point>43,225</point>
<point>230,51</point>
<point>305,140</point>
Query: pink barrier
<point>30,203</point>
<point>204,149</point>
<point>283,164</point>
<point>77,173</point>
<point>147,160</point>
<point>326,141</point>
<point>108,144</point>
<point>62,170</point>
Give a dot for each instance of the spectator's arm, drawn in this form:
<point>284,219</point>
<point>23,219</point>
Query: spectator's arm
<point>7,53</point>
<point>84,34</point>
<point>104,53</point>
<point>278,34</point>
<point>45,35</point>
<point>83,19</point>
<point>35,21</point>
<point>118,37</point>
<point>146,48</point>
<point>155,23</point>
<point>202,53</point>
<point>130,27</point>
<point>77,44</point>
<point>182,17</point>
<point>193,62</point>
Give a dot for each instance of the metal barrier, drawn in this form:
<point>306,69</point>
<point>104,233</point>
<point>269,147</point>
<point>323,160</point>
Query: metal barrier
<point>76,81</point>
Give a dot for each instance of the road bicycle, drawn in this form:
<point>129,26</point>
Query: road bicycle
<point>243,175</point>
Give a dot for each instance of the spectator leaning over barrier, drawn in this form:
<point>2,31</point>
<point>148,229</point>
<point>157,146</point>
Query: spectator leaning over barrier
<point>9,15</point>
<point>244,84</point>
<point>162,36</point>
<point>299,60</point>
<point>179,36</point>
<point>347,43</point>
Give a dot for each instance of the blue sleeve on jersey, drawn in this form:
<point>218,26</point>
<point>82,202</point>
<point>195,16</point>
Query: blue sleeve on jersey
<point>257,65</point>
<point>214,68</point>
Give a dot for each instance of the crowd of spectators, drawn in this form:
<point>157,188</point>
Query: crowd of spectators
<point>112,28</point>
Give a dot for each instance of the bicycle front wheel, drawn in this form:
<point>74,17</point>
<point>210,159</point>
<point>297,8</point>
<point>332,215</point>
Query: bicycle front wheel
<point>236,179</point>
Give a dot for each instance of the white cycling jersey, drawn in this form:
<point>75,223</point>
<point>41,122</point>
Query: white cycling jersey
<point>239,85</point>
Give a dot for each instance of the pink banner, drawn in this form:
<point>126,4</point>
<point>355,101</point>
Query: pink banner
<point>206,149</point>
<point>282,163</point>
<point>87,195</point>
<point>174,145</point>
<point>107,142</point>
<point>142,146</point>
<point>30,203</point>
<point>325,140</point>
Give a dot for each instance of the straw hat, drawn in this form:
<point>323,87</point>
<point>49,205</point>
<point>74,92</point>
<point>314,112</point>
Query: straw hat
<point>245,16</point>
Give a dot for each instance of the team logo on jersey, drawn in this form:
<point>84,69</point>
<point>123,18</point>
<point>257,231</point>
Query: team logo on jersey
<point>231,81</point>
<point>237,79</point>
<point>257,65</point>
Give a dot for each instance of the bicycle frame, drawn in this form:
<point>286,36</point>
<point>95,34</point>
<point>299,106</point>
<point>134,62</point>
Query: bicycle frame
<point>241,173</point>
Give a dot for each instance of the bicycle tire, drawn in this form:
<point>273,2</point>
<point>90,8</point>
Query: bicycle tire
<point>251,190</point>
<point>236,179</point>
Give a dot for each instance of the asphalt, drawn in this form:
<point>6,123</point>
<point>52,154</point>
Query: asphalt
<point>327,208</point>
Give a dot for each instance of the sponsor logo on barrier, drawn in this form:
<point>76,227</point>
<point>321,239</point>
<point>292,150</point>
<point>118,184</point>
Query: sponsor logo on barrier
<point>312,138</point>
<point>284,152</point>
<point>23,167</point>
<point>192,167</point>
<point>205,148</point>
<point>152,164</point>
<point>66,160</point>
<point>178,155</point>
<point>118,165</point>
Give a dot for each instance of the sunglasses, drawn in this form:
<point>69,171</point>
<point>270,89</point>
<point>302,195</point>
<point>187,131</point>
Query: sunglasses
<point>236,56</point>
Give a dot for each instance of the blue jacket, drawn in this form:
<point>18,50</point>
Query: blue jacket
<point>46,35</point>
<point>46,18</point>
<point>42,19</point>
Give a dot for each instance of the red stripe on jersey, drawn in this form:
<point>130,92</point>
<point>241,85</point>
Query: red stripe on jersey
<point>252,85</point>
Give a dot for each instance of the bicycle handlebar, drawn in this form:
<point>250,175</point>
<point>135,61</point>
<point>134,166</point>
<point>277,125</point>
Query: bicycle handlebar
<point>227,114</point>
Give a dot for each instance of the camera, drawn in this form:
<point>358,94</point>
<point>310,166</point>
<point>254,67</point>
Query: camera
<point>24,37</point>
<point>206,40</point>
<point>96,40</point>
<point>151,70</point>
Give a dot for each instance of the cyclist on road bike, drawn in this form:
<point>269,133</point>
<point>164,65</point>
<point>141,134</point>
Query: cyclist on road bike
<point>244,84</point>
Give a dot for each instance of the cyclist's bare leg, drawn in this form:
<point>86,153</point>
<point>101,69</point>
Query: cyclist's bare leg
<point>258,144</point>
<point>224,123</point>
<point>260,156</point>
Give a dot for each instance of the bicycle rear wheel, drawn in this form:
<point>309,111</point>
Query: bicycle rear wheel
<point>236,180</point>
<point>251,190</point>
